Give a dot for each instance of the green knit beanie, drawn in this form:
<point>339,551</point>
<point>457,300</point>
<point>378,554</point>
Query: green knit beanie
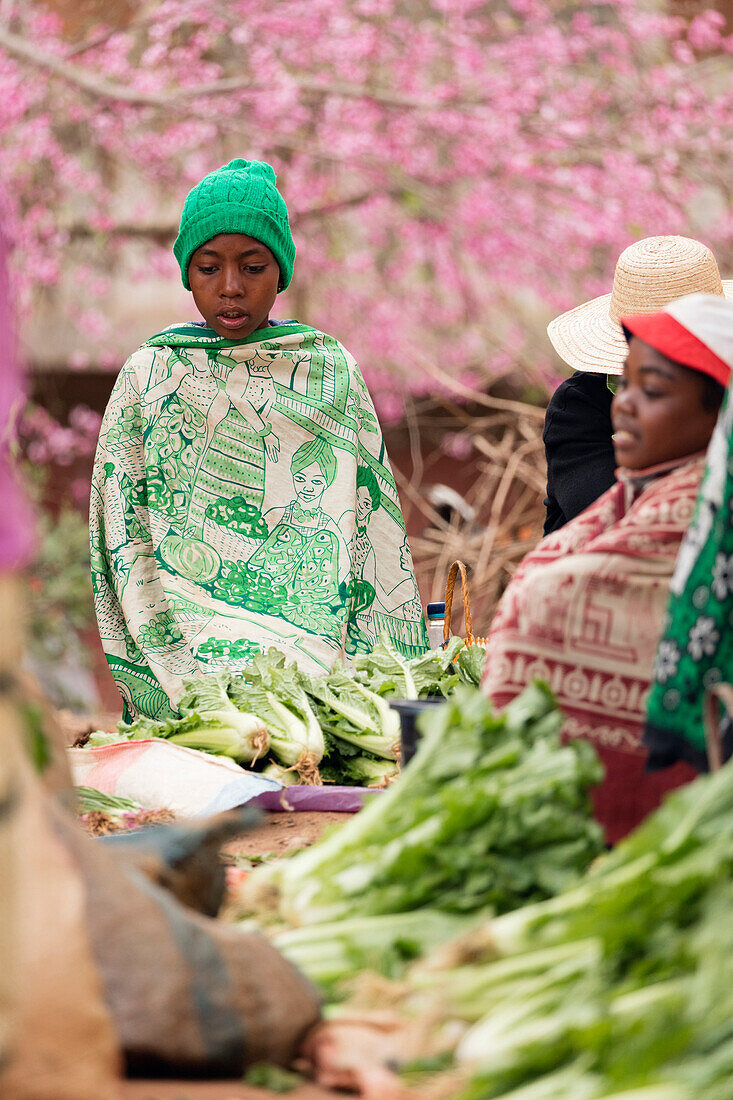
<point>240,197</point>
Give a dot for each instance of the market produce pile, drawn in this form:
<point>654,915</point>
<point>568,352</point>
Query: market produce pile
<point>493,812</point>
<point>620,987</point>
<point>303,728</point>
<point>102,813</point>
<point>471,896</point>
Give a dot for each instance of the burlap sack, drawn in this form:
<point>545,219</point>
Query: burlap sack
<point>188,994</point>
<point>183,993</point>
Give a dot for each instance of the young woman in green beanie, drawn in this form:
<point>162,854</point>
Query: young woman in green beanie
<point>225,491</point>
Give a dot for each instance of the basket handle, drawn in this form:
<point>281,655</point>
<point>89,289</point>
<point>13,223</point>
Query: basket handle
<point>711,720</point>
<point>450,585</point>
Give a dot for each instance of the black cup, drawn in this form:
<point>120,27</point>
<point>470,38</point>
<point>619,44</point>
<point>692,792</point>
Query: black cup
<point>408,710</point>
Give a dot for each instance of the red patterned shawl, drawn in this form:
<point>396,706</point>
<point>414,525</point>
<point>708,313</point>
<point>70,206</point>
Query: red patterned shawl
<point>584,612</point>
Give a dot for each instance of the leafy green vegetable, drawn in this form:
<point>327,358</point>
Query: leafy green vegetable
<point>292,739</point>
<point>386,671</point>
<point>342,718</point>
<point>359,770</point>
<point>243,737</point>
<point>325,952</point>
<point>434,672</point>
<point>103,813</point>
<point>102,737</point>
<point>265,1075</point>
<point>224,728</point>
<point>89,798</point>
<point>273,689</point>
<point>139,730</point>
<point>620,987</point>
<point>287,776</point>
<point>469,662</point>
<point>437,672</point>
<point>492,812</point>
<point>351,712</point>
<point>206,694</point>
<point>210,723</point>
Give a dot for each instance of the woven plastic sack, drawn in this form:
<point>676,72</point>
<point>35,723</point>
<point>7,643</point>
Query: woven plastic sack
<point>163,776</point>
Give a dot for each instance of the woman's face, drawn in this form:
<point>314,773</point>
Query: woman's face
<point>310,484</point>
<point>234,280</point>
<point>657,411</point>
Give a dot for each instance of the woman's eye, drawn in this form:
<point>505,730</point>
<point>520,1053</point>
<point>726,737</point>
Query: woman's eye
<point>252,270</point>
<point>207,270</point>
<point>652,393</point>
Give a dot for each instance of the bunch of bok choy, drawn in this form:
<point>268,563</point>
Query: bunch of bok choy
<point>211,722</point>
<point>337,727</point>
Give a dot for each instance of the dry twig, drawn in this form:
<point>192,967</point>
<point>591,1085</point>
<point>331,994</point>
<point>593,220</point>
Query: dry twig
<point>506,494</point>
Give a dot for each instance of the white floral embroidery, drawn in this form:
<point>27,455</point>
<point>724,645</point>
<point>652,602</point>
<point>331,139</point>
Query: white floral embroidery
<point>723,575</point>
<point>703,638</point>
<point>671,699</point>
<point>700,597</point>
<point>667,660</point>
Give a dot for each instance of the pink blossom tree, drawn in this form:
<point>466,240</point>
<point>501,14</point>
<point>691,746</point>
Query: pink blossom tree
<point>457,170</point>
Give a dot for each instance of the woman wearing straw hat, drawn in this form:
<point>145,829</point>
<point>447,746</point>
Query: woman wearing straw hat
<point>577,435</point>
<point>584,610</point>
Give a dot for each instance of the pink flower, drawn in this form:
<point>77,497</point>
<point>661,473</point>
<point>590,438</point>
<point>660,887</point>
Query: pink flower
<point>457,444</point>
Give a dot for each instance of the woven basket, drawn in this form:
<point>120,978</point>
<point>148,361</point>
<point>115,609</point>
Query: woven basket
<point>230,545</point>
<point>711,716</point>
<point>160,525</point>
<point>456,568</point>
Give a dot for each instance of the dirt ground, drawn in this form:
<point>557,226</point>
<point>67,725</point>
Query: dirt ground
<point>282,832</point>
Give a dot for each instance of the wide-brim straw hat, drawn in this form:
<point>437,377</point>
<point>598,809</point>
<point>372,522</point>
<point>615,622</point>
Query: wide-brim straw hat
<point>649,274</point>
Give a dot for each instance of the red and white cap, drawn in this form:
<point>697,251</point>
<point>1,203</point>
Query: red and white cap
<point>695,331</point>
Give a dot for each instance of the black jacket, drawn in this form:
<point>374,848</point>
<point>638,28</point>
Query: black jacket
<point>578,447</point>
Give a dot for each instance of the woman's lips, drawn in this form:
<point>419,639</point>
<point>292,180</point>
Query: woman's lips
<point>232,323</point>
<point>623,439</point>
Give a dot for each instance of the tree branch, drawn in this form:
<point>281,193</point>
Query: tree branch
<point>107,89</point>
<point>163,234</point>
<point>96,85</point>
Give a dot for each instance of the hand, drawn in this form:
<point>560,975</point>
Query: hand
<point>355,1054</point>
<point>272,447</point>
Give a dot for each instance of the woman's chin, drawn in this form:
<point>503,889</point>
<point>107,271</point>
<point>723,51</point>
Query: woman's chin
<point>627,457</point>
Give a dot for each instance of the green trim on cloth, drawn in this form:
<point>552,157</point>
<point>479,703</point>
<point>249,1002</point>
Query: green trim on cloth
<point>192,335</point>
<point>696,647</point>
<point>226,513</point>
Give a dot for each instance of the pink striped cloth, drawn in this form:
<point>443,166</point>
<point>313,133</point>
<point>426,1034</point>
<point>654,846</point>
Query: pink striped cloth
<point>16,530</point>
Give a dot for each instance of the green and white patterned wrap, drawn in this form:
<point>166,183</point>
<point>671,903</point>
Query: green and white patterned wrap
<point>695,651</point>
<point>242,498</point>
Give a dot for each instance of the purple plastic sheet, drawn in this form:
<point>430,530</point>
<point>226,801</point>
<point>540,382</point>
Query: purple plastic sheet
<point>340,800</point>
